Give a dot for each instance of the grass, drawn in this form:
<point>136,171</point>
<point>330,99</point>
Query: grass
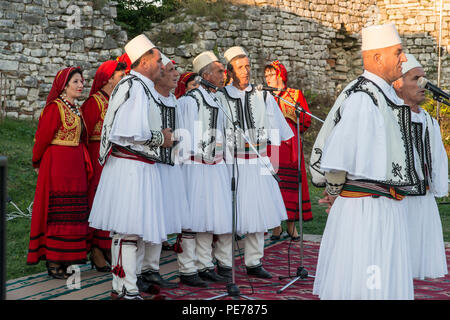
<point>16,142</point>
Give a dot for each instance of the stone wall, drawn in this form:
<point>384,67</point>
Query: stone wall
<point>317,40</point>
<point>40,37</point>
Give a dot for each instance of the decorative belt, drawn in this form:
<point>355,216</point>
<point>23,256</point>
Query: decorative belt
<point>120,152</point>
<point>359,189</point>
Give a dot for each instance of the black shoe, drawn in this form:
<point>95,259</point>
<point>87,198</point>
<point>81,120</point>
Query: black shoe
<point>147,287</point>
<point>100,269</point>
<point>275,237</point>
<point>258,272</point>
<point>193,281</point>
<point>211,275</point>
<point>225,272</point>
<point>155,278</point>
<point>129,296</point>
<point>238,237</point>
<point>294,238</point>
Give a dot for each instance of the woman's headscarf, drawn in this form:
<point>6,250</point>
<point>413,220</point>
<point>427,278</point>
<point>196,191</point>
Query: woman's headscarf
<point>125,59</point>
<point>182,82</point>
<point>103,74</point>
<point>280,70</point>
<point>59,83</point>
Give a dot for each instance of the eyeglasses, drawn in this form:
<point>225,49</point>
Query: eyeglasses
<point>270,75</point>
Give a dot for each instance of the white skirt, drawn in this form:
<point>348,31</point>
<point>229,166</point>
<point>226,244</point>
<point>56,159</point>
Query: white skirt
<point>129,200</point>
<point>260,206</point>
<point>174,195</point>
<point>364,252</point>
<point>209,197</point>
<point>426,240</point>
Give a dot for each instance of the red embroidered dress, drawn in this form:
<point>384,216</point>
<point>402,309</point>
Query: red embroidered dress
<point>59,222</point>
<point>94,110</point>
<point>288,157</point>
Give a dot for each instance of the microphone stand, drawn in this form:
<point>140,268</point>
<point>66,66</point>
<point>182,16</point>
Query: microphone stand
<point>302,273</point>
<point>440,99</point>
<point>232,288</point>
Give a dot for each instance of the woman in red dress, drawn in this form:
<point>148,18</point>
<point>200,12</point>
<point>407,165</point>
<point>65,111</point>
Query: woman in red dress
<point>186,83</point>
<point>59,222</point>
<point>94,109</point>
<point>276,76</point>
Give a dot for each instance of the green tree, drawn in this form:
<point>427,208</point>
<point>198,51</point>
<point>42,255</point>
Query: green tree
<point>137,16</point>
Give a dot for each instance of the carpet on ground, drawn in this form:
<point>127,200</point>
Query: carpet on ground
<point>282,258</point>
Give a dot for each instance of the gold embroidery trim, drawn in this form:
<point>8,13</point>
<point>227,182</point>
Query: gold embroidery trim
<point>70,131</point>
<point>287,110</point>
<point>102,104</point>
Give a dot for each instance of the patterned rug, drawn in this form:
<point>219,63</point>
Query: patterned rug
<point>281,259</point>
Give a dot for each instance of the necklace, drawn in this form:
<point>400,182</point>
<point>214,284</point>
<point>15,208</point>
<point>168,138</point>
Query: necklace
<point>72,107</point>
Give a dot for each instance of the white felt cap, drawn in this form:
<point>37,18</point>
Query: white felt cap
<point>165,60</point>
<point>379,36</point>
<point>202,60</point>
<point>233,52</point>
<point>137,46</point>
<point>410,64</point>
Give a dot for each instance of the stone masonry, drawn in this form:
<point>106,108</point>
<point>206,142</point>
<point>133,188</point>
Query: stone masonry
<point>40,37</point>
<point>317,40</point>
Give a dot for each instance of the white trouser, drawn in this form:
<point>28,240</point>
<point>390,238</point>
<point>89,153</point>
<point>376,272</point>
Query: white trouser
<point>203,251</point>
<point>127,245</point>
<point>223,250</point>
<point>148,256</point>
<point>254,249</point>
<point>186,259</point>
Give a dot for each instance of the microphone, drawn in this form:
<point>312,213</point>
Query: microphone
<point>261,87</point>
<point>423,83</point>
<point>206,83</point>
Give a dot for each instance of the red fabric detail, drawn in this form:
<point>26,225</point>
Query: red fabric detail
<point>59,83</point>
<point>88,164</point>
<point>153,289</point>
<point>130,156</point>
<point>63,172</point>
<point>103,74</point>
<point>125,59</point>
<point>94,150</point>
<point>177,246</point>
<point>288,165</point>
<point>49,123</point>
<point>65,250</point>
<point>99,238</point>
<point>118,269</point>
<point>280,70</point>
<point>181,85</point>
<point>91,114</point>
